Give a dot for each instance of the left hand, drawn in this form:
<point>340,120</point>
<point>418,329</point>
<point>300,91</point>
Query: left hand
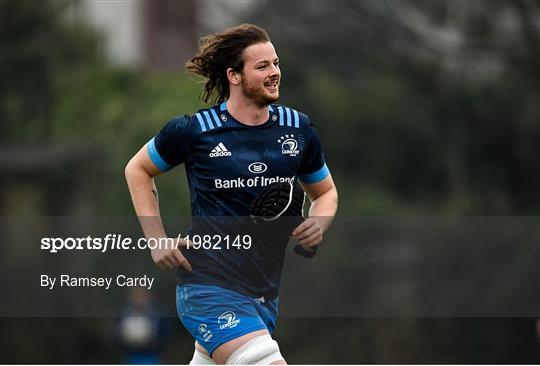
<point>309,233</point>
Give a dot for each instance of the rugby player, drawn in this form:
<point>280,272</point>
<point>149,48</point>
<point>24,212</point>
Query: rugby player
<point>228,299</point>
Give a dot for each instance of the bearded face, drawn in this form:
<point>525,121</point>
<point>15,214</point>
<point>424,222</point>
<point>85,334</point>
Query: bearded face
<point>261,74</point>
<point>262,93</point>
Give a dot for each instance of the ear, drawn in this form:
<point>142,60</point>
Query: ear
<point>233,76</point>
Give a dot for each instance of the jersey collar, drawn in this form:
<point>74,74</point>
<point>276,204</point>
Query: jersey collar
<point>272,116</point>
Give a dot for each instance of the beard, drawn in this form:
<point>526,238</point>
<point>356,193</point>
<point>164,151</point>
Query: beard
<point>258,94</point>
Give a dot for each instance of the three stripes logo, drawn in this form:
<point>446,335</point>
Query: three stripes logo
<point>288,117</point>
<point>219,150</point>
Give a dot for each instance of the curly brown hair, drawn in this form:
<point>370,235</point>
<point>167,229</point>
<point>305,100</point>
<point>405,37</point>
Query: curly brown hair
<point>220,51</point>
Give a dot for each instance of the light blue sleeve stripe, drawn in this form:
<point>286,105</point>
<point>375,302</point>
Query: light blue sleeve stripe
<point>209,120</point>
<point>315,177</point>
<point>289,122</point>
<point>155,157</point>
<point>216,118</point>
<point>201,122</point>
<point>281,123</point>
<point>296,119</point>
<point>223,106</point>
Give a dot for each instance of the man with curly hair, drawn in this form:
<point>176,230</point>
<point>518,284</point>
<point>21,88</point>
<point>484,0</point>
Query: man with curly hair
<point>228,299</point>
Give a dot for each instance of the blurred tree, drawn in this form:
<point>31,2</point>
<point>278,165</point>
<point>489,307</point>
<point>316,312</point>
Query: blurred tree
<point>36,46</point>
<point>435,98</point>
<point>62,110</point>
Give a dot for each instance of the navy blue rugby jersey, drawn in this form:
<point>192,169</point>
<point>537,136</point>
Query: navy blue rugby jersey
<point>227,165</point>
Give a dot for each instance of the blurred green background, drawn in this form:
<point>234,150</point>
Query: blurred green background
<point>425,108</point>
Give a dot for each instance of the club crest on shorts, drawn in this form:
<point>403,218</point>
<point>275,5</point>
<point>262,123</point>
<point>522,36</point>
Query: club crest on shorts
<point>289,145</point>
<point>228,320</point>
<point>205,333</point>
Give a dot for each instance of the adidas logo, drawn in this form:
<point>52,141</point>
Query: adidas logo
<point>220,150</point>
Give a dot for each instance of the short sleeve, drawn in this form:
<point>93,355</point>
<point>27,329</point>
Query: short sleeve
<point>171,146</point>
<point>313,168</point>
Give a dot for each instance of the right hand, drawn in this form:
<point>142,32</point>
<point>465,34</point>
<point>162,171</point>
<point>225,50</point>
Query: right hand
<point>170,257</point>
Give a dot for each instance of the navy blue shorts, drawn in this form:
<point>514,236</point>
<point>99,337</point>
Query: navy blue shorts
<point>214,315</point>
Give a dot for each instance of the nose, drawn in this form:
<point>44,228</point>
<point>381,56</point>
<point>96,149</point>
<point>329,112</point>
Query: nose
<point>274,71</point>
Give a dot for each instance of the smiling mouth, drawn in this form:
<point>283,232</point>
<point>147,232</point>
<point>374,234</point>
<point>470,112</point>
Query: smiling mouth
<point>272,84</point>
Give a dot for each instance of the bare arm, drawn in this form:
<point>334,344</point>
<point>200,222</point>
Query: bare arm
<point>140,173</point>
<point>324,202</point>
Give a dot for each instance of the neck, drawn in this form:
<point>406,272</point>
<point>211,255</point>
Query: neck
<point>247,112</point>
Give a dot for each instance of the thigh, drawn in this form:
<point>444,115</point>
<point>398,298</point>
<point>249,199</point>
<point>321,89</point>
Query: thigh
<point>222,353</point>
<point>215,316</point>
<point>268,311</point>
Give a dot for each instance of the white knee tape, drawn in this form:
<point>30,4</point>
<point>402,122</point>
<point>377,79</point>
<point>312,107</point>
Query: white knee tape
<point>261,350</point>
<point>200,358</point>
